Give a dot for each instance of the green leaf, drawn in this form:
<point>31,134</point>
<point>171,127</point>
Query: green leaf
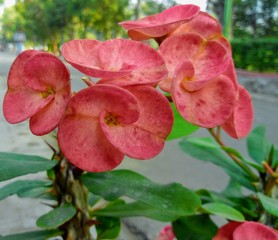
<point>269,204</point>
<point>170,198</point>
<point>39,192</point>
<point>198,227</point>
<point>181,127</point>
<point>223,210</point>
<point>108,227</point>
<point>21,186</point>
<point>135,209</point>
<point>56,217</point>
<point>257,144</point>
<point>206,149</point>
<point>14,165</point>
<point>36,235</point>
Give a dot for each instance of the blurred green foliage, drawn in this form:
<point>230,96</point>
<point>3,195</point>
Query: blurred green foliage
<point>257,54</point>
<point>50,23</point>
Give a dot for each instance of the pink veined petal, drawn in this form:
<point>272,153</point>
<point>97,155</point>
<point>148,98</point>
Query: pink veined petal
<point>100,98</point>
<point>144,138</point>
<point>178,49</point>
<point>83,55</point>
<point>240,122</point>
<point>208,107</point>
<point>22,104</point>
<point>85,146</point>
<point>146,66</point>
<point>226,231</point>
<point>47,119</point>
<point>254,230</point>
<point>231,73</point>
<point>203,24</point>
<point>160,24</point>
<point>44,70</point>
<point>15,80</point>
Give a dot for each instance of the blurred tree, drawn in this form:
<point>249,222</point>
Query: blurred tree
<point>11,22</point>
<point>254,18</point>
<point>52,22</point>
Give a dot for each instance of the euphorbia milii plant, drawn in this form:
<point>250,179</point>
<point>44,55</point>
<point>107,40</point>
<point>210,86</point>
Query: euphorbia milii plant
<point>136,98</point>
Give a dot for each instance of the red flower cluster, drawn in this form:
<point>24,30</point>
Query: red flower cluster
<point>123,113</point>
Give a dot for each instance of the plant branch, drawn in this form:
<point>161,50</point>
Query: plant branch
<point>232,156</point>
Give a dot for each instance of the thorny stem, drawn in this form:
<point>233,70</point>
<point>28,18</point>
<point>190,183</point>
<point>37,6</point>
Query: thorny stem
<point>69,189</point>
<point>232,156</point>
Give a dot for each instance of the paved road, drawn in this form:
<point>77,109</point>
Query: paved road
<point>171,165</point>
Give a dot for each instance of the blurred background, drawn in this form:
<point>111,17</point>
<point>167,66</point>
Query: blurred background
<point>251,25</point>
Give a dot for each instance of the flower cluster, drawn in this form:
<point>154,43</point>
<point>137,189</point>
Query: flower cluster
<point>124,113</point>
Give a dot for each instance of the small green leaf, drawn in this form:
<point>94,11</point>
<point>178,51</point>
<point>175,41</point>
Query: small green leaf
<point>257,144</point>
<point>108,227</point>
<point>39,192</point>
<point>198,227</point>
<point>14,165</point>
<point>269,204</point>
<point>36,235</point>
<point>223,210</point>
<point>181,127</point>
<point>21,186</point>
<point>135,209</point>
<point>171,198</point>
<point>56,217</point>
<point>206,149</point>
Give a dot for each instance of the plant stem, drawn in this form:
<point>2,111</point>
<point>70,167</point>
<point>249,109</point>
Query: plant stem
<point>69,189</point>
<point>232,156</point>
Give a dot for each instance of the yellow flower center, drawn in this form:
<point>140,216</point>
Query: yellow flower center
<point>47,92</point>
<point>111,119</point>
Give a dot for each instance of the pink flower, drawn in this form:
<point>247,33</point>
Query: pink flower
<point>246,231</point>
<point>39,89</point>
<point>166,233</point>
<point>105,122</point>
<point>201,94</point>
<point>209,106</point>
<point>118,61</point>
<point>160,24</point>
<point>207,59</point>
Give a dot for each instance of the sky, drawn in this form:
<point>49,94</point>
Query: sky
<point>201,3</point>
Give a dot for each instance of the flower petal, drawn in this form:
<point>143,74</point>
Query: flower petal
<point>208,107</point>
<point>254,230</point>
<point>44,70</point>
<point>85,146</point>
<point>160,24</point>
<point>83,55</point>
<point>15,80</point>
<point>48,118</point>
<point>226,231</point>
<point>203,24</point>
<point>22,104</point>
<point>240,122</point>
<point>146,66</point>
<point>145,138</point>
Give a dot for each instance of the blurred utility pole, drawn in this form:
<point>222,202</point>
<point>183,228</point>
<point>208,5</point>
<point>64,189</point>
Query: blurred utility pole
<point>228,11</point>
<point>138,9</point>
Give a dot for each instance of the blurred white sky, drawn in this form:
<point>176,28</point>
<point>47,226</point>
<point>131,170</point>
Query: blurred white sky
<point>201,3</point>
